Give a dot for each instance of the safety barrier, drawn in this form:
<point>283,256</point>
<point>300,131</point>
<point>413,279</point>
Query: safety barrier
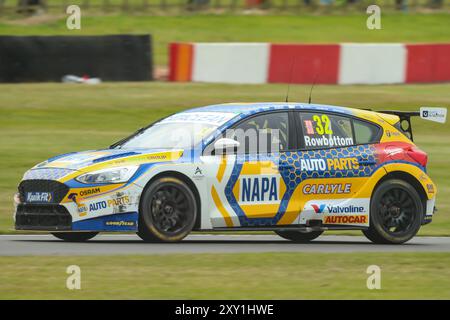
<point>347,63</point>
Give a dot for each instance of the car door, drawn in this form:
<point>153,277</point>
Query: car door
<point>331,172</point>
<point>249,187</point>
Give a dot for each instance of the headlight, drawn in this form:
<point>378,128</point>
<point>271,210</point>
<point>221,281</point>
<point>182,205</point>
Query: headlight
<point>111,175</point>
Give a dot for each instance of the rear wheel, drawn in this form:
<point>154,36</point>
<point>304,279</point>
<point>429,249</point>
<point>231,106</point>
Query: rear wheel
<point>395,213</point>
<point>168,211</point>
<point>75,236</point>
<point>297,236</point>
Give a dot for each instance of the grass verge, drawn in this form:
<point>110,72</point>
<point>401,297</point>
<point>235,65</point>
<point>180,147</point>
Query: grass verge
<point>229,276</point>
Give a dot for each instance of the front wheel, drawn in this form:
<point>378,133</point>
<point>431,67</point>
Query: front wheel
<point>75,236</point>
<point>168,211</point>
<point>299,237</point>
<point>395,213</point>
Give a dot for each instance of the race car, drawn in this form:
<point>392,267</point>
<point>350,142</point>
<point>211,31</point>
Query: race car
<point>296,169</point>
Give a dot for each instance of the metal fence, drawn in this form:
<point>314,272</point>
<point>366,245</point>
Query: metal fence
<point>217,6</point>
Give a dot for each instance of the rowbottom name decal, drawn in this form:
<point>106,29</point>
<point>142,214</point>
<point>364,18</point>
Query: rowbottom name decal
<point>331,141</point>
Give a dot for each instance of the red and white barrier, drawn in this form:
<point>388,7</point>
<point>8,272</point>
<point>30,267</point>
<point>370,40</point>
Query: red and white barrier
<point>372,63</point>
<point>348,63</point>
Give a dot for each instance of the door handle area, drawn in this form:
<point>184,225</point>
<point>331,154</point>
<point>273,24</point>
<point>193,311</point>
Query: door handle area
<point>366,162</point>
<point>285,167</point>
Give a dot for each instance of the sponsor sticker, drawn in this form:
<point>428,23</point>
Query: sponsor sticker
<point>88,192</point>
<point>259,189</point>
<point>118,202</point>
<point>332,188</point>
<point>434,114</point>
<point>309,127</point>
<point>337,211</point>
<point>39,197</point>
<point>329,164</point>
<point>120,223</point>
<point>353,219</point>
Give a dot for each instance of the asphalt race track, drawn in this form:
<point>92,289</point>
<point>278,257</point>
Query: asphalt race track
<point>18,245</point>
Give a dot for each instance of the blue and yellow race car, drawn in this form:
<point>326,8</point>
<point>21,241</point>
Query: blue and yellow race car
<point>293,168</point>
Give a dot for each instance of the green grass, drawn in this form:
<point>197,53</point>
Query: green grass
<point>396,27</point>
<point>38,121</point>
<point>229,276</point>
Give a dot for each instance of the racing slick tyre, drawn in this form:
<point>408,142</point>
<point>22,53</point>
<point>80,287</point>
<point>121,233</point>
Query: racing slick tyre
<point>299,237</point>
<point>395,213</point>
<point>75,236</point>
<point>168,211</point>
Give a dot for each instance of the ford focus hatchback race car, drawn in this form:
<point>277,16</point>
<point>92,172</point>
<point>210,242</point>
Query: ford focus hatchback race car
<point>292,168</point>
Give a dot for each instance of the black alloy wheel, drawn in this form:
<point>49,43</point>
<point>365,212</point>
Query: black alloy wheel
<point>168,211</point>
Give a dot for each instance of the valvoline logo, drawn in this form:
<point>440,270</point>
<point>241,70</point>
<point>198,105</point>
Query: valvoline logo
<point>318,209</point>
<point>338,209</point>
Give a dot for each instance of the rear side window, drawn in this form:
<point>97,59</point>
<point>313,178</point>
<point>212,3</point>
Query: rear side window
<point>322,130</point>
<point>264,133</point>
<point>365,132</point>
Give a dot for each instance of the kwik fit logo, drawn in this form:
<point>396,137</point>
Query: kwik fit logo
<point>39,197</point>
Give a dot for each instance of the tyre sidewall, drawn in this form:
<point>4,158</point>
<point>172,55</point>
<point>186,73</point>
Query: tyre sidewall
<point>146,224</point>
<point>375,218</point>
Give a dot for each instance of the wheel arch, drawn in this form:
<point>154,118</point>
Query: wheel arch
<point>191,185</point>
<point>409,178</point>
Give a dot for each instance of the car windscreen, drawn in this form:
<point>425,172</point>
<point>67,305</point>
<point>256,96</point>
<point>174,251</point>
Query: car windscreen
<point>171,135</point>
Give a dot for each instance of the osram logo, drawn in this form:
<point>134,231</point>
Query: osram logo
<point>259,189</point>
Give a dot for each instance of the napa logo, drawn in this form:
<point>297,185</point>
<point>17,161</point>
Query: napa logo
<point>259,189</point>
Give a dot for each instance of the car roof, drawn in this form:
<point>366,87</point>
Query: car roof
<point>256,107</point>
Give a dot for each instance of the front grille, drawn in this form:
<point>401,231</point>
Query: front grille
<point>42,217</point>
<point>58,189</point>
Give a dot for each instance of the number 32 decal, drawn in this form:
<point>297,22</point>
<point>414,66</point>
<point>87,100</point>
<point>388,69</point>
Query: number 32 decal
<point>323,124</point>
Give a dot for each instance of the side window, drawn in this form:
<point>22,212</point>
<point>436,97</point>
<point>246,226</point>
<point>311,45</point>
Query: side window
<point>365,132</point>
<point>321,130</point>
<point>263,134</point>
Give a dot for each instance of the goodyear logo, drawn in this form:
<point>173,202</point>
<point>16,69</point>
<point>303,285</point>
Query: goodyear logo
<point>259,189</point>
<point>120,223</point>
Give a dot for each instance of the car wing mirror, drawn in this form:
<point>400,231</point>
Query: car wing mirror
<point>226,145</point>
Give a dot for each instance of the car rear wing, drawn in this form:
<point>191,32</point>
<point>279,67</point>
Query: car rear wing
<point>426,113</point>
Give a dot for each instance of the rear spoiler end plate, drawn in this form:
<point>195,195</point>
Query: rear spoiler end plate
<point>426,113</point>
